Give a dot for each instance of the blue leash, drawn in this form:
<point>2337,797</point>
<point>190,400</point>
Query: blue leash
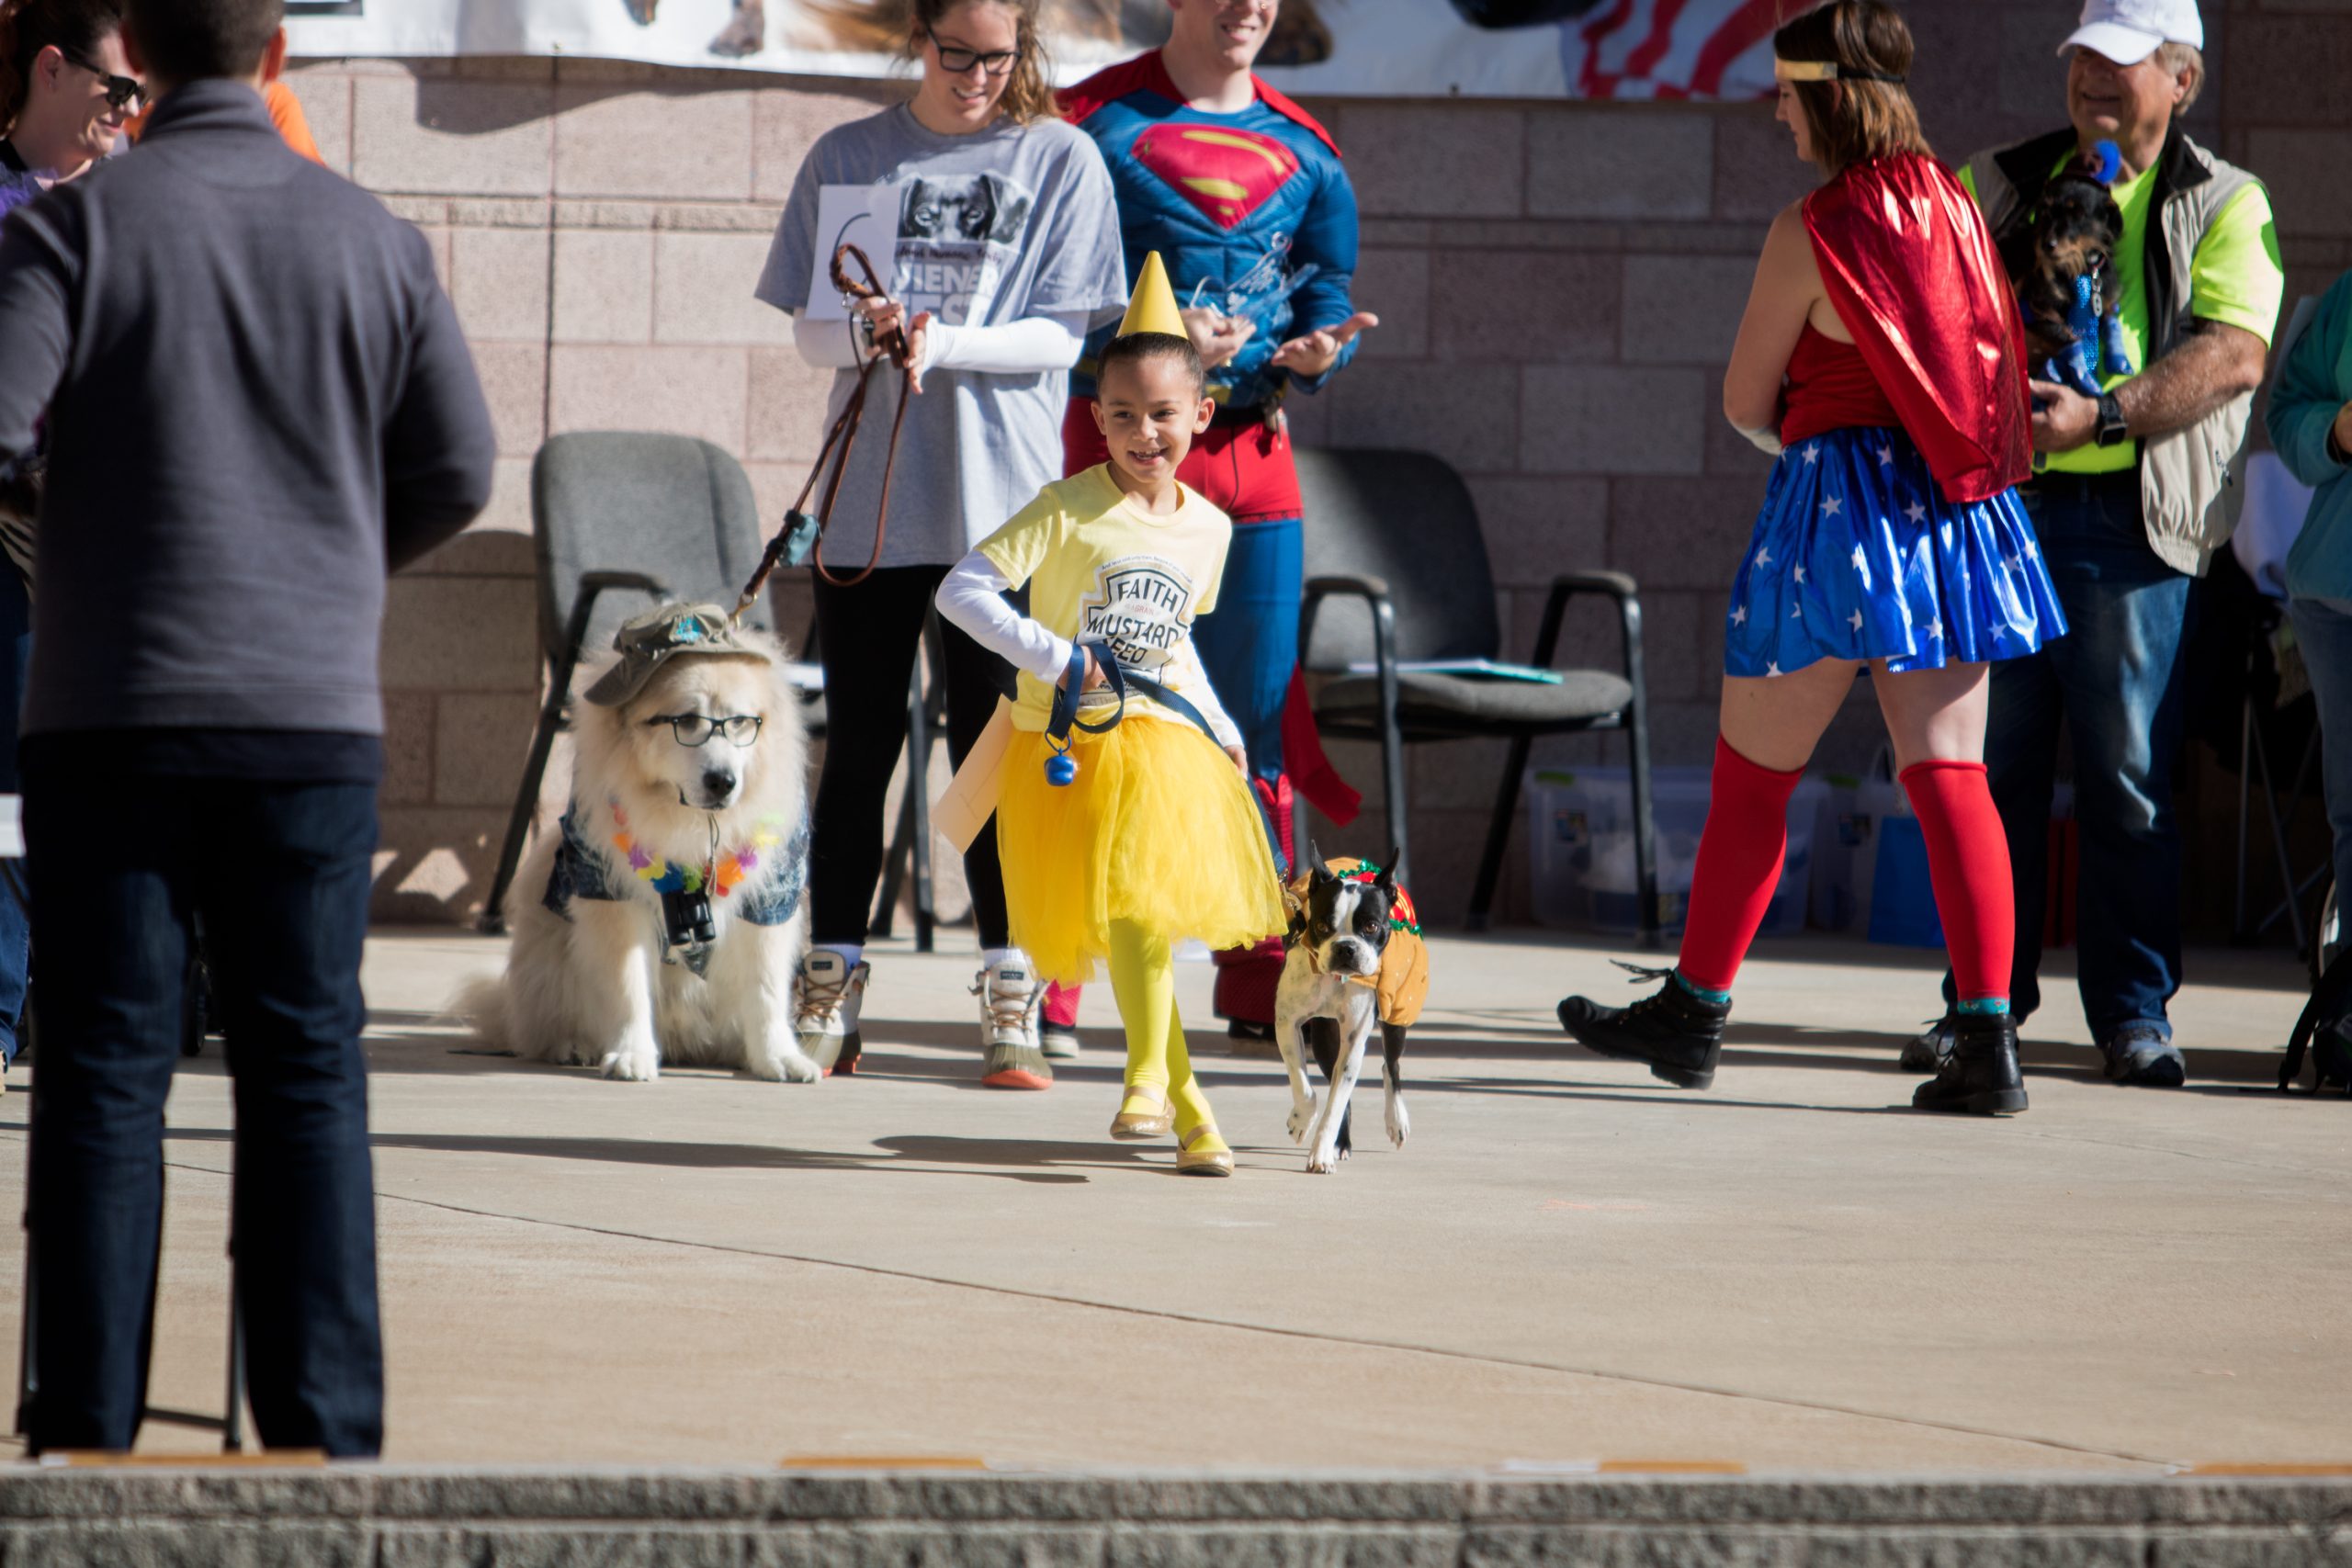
<point>1061,768</point>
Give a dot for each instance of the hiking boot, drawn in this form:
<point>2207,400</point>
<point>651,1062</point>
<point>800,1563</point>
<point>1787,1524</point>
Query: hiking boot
<point>2141,1053</point>
<point>825,1016</point>
<point>1926,1051</point>
<point>1058,1041</point>
<point>1981,1076</point>
<point>1010,996</point>
<point>1677,1031</point>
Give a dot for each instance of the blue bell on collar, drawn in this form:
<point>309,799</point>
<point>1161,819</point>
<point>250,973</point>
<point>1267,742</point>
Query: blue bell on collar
<point>1061,769</point>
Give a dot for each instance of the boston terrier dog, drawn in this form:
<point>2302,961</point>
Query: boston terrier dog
<point>1354,957</point>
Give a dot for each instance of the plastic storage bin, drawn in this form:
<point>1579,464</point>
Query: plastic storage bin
<point>1580,844</point>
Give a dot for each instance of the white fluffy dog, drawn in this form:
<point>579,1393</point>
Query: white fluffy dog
<point>663,922</point>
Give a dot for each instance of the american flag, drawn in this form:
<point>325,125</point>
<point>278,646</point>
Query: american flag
<point>1673,49</point>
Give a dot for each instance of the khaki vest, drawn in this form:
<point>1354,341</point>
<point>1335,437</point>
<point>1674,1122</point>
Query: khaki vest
<point>2190,485</point>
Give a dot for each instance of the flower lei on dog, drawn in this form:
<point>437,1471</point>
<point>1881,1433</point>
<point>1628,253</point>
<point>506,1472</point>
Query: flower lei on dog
<point>724,873</point>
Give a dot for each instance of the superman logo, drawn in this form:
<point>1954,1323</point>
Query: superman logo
<point>1226,174</point>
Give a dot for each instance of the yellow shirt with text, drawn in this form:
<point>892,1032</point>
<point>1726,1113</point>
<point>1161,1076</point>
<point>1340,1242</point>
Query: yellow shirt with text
<point>1101,569</point>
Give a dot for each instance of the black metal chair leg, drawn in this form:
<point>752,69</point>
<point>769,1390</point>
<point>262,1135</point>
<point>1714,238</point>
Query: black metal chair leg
<point>894,875</point>
<point>919,851</point>
<point>1637,736</point>
<point>1490,865</point>
<point>527,805</point>
<point>232,1426</point>
<point>1392,774</point>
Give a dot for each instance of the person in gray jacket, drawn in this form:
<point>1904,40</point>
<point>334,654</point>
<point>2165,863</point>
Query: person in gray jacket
<point>2131,496</point>
<point>259,402</point>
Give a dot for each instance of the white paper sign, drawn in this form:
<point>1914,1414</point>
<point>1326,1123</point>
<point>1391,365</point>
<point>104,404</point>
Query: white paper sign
<point>863,216</point>
<point>938,243</point>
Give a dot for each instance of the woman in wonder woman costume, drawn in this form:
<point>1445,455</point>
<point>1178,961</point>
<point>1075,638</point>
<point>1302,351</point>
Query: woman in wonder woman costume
<point>1883,357</point>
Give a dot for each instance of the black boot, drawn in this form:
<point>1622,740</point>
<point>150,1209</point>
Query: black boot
<point>1981,1075</point>
<point>1679,1033</point>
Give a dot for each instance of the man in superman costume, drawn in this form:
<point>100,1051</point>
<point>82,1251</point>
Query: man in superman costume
<point>1241,193</point>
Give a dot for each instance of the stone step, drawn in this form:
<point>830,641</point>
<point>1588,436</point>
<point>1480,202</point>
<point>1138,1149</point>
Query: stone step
<point>414,1517</point>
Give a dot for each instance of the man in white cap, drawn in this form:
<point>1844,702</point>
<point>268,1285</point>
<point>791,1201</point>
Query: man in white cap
<point>2132,499</point>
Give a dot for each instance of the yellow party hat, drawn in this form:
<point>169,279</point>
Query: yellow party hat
<point>1152,307</point>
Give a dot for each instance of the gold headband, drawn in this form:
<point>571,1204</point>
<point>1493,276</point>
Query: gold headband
<point>1827,71</point>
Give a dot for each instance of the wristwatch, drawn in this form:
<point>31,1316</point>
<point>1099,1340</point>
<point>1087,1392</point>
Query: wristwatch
<point>2113,429</point>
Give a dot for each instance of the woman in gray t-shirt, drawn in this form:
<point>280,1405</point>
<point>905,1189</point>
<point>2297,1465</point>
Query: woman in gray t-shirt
<point>995,231</point>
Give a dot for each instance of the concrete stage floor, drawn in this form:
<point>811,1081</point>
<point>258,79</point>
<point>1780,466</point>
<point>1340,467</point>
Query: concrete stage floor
<point>1569,1262</point>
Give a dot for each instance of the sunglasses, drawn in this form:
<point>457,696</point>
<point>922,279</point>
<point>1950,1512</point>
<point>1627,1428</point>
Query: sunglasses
<point>120,90</point>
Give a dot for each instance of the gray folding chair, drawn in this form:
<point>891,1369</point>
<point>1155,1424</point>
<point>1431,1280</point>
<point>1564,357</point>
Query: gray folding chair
<point>621,520</point>
<point>1397,532</point>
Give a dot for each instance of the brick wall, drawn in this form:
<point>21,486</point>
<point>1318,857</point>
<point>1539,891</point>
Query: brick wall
<point>1559,285</point>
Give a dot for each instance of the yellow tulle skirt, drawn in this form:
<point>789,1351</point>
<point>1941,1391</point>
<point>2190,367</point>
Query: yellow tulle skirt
<point>1158,829</point>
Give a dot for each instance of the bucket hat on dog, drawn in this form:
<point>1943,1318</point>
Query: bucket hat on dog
<point>649,641</point>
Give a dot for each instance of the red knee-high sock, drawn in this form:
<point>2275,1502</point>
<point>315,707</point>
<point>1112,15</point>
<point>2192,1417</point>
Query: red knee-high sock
<point>1968,860</point>
<point>1739,864</point>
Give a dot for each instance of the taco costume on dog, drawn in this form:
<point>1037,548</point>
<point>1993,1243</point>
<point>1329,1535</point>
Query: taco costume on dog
<point>1156,838</point>
<point>1403,982</point>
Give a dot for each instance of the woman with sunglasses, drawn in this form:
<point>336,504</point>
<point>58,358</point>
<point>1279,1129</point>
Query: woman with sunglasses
<point>995,241</point>
<point>65,92</point>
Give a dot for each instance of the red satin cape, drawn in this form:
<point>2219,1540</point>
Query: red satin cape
<point>1911,270</point>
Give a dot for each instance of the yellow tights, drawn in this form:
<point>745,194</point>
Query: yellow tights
<point>1143,978</point>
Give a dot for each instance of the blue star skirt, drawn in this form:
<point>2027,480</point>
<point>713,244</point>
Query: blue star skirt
<point>1858,555</point>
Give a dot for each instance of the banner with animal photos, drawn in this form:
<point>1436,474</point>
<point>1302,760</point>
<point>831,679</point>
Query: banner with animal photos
<point>1707,49</point>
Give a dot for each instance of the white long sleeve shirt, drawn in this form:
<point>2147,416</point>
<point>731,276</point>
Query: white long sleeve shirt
<point>972,598</point>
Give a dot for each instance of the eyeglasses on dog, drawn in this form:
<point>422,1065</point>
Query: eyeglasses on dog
<point>696,729</point>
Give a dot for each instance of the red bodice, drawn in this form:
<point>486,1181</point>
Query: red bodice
<point>1831,388</point>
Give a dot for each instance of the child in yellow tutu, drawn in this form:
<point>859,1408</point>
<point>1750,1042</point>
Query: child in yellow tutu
<point>1156,839</point>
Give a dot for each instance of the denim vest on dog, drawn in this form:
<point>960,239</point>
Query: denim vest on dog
<point>584,871</point>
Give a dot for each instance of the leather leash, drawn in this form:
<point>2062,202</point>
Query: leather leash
<point>802,537</point>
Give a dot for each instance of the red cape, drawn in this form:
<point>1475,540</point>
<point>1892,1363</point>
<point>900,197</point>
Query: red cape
<point>1911,270</point>
<point>1147,73</point>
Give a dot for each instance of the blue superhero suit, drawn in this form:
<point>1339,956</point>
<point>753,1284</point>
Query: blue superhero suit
<point>1251,212</point>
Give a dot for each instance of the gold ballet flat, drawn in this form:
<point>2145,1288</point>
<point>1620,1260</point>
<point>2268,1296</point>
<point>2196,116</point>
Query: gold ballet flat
<point>1202,1162</point>
<point>1139,1124</point>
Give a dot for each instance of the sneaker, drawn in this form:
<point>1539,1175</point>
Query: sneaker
<point>1926,1051</point>
<point>825,1017</point>
<point>2141,1054</point>
<point>1010,996</point>
<point>1677,1031</point>
<point>1981,1076</point>
<point>1058,1041</point>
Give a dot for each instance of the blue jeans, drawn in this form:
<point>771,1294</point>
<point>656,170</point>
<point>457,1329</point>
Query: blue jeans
<point>1248,644</point>
<point>2323,631</point>
<point>2116,678</point>
<point>280,874</point>
<point>15,922</point>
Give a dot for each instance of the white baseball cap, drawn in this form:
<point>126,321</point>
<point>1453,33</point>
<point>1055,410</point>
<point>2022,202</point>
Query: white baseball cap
<point>2128,31</point>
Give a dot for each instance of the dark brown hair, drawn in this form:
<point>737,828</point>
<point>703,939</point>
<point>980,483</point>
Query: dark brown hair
<point>1855,120</point>
<point>27,27</point>
<point>193,41</point>
<point>1134,348</point>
